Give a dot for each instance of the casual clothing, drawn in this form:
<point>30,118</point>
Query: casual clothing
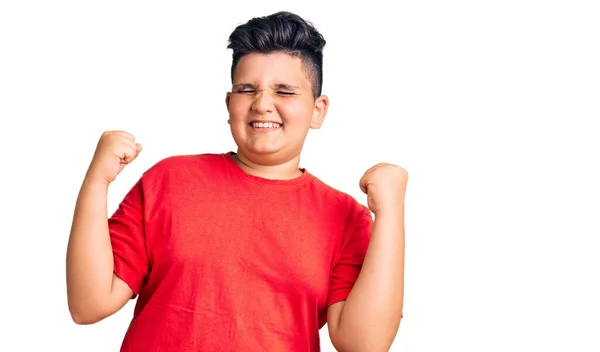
<point>221,260</point>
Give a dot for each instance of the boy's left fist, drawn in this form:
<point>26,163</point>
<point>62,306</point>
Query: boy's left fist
<point>385,186</point>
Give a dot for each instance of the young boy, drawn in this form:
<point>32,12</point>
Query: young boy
<point>244,251</point>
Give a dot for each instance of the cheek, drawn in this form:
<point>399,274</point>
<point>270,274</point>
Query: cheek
<point>237,109</point>
<point>296,112</point>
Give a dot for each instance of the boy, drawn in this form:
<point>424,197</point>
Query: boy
<point>244,251</point>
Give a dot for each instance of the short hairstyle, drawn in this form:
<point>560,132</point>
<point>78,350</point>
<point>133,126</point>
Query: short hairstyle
<point>281,32</point>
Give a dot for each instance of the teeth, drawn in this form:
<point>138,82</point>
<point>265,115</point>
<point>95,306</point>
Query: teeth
<point>265,125</point>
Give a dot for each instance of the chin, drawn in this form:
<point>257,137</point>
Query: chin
<point>263,150</point>
<point>266,156</point>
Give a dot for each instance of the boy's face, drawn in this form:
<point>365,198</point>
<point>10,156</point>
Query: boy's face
<point>271,107</point>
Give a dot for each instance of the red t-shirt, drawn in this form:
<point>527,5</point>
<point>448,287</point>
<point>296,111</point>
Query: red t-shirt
<point>221,260</point>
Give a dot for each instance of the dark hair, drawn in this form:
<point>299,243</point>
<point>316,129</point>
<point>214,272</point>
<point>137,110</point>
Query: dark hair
<point>281,32</point>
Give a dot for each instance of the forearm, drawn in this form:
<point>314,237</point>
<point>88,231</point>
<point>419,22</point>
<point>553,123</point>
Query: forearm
<point>89,253</point>
<point>371,315</point>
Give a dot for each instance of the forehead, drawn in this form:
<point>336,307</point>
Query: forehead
<point>271,68</point>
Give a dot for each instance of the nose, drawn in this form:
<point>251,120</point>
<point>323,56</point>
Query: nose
<point>263,103</point>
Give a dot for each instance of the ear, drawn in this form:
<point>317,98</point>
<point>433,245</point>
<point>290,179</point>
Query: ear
<point>319,111</point>
<point>227,98</point>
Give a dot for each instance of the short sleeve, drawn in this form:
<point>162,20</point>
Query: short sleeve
<point>346,270</point>
<point>126,228</point>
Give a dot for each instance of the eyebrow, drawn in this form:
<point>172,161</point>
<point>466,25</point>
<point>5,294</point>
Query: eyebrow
<point>277,86</point>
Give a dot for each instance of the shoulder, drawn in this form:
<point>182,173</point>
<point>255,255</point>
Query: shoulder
<point>342,201</point>
<point>175,161</point>
<point>186,160</point>
<point>182,165</point>
<point>351,220</point>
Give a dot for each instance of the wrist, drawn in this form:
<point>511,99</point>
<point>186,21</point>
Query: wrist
<point>95,181</point>
<point>390,212</point>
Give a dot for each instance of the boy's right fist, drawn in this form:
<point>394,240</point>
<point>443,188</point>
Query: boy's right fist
<point>115,149</point>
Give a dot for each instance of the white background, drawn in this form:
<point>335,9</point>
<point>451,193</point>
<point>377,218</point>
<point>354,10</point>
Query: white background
<point>492,107</point>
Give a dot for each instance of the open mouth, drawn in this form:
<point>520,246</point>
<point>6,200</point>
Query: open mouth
<point>265,125</point>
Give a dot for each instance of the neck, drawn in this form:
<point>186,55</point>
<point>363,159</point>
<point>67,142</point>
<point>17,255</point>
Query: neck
<point>284,171</point>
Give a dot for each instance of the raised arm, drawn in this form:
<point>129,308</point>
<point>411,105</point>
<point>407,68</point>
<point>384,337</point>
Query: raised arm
<point>94,291</point>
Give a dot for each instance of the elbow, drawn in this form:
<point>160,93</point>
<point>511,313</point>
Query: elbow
<point>86,318</point>
<point>83,319</point>
<point>361,340</point>
<point>85,315</point>
<point>362,348</point>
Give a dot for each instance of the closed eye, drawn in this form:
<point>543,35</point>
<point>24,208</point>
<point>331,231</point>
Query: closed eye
<point>250,91</point>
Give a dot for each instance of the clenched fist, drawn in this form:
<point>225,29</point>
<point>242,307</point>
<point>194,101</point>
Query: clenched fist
<point>385,186</point>
<point>115,149</point>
